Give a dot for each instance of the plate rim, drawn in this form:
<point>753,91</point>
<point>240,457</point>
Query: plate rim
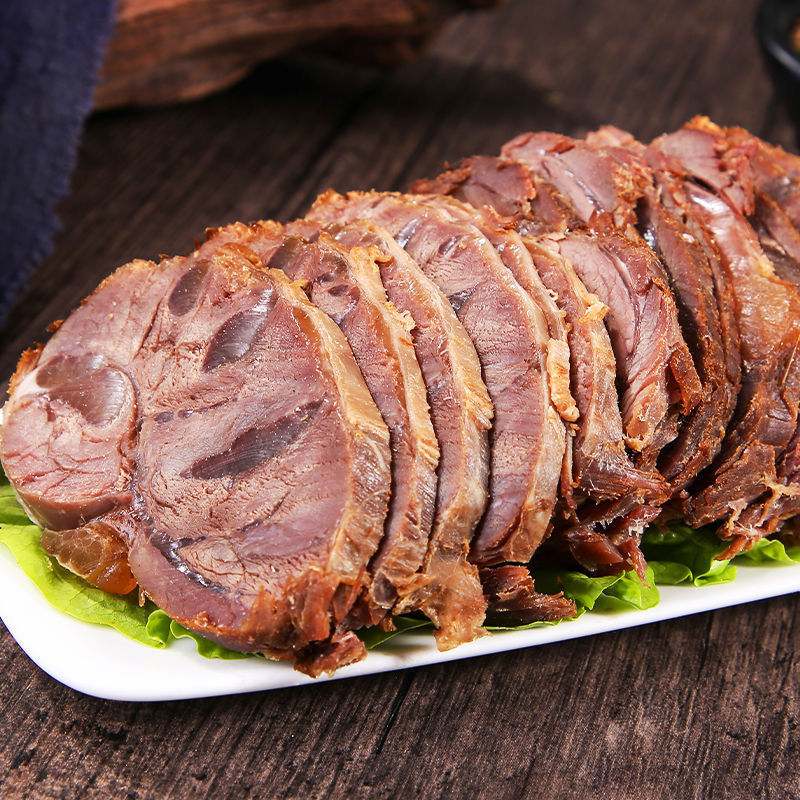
<point>103,663</point>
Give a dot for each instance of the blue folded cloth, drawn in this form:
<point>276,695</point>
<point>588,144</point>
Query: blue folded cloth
<point>50,55</point>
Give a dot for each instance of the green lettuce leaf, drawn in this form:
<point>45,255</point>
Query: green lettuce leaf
<point>374,637</point>
<point>583,589</point>
<point>629,592</point>
<point>604,593</point>
<point>11,512</point>
<point>683,555</point>
<point>72,594</point>
<point>161,627</point>
<point>769,551</point>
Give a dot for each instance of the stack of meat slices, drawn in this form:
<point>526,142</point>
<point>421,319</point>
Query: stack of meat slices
<point>406,402</point>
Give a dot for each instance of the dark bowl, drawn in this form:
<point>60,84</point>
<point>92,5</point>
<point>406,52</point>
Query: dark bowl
<point>778,30</point>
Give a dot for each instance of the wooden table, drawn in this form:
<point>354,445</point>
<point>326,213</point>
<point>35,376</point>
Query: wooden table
<point>701,707</point>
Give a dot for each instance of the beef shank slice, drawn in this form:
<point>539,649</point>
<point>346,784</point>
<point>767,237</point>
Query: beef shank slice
<point>242,462</point>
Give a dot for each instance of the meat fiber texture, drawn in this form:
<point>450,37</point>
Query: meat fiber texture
<point>406,402</point>
<point>210,419</point>
<point>528,437</point>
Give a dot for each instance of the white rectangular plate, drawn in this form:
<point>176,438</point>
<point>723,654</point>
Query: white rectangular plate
<point>102,662</point>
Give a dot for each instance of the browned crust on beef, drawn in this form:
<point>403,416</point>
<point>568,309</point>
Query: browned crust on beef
<point>450,594</point>
<point>600,467</point>
<point>604,198</point>
<point>513,599</point>
<point>528,436</point>
<point>767,312</point>
<point>345,283</point>
<point>94,551</point>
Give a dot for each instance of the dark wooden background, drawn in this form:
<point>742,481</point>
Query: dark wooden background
<point>702,707</point>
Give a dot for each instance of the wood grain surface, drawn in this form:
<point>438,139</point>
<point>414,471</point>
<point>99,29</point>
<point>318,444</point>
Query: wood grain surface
<point>162,51</point>
<point>703,707</point>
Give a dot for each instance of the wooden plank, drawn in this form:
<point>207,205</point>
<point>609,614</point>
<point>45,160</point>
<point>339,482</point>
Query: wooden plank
<point>675,709</point>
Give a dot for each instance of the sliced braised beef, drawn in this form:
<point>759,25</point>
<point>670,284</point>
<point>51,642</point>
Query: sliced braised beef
<point>587,178</point>
<point>701,294</point>
<point>776,174</point>
<point>210,418</point>
<point>661,385</point>
<point>602,468</point>
<point>274,472</point>
<point>753,178</point>
<point>773,203</point>
<point>749,471</point>
<point>599,467</point>
<point>514,254</point>
<point>702,152</point>
<point>510,188</point>
<point>659,380</point>
<point>775,217</point>
<point>461,413</point>
<point>508,331</point>
<point>778,236</point>
<point>513,599</point>
<point>516,257</point>
<point>609,192</point>
<point>346,285</point>
<point>705,324</point>
<point>616,499</point>
<point>70,424</point>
